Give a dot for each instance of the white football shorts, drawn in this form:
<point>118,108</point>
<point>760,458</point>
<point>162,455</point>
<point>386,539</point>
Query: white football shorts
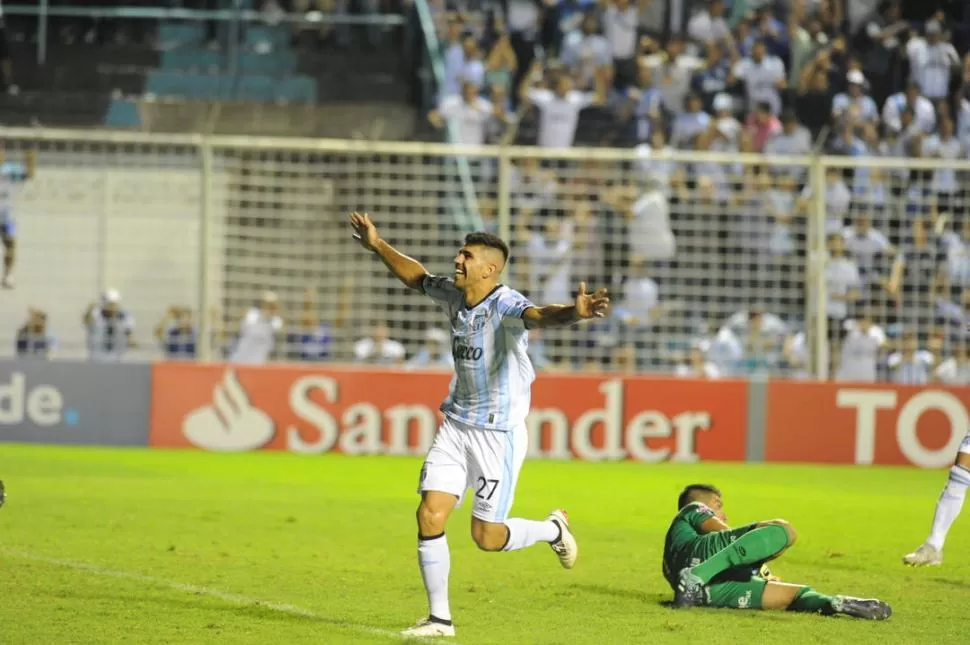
<point>488,462</point>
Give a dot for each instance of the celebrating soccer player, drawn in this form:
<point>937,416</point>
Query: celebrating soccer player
<point>710,564</point>
<point>482,442</point>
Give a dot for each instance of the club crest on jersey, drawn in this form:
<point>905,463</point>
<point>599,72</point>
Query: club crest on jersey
<point>477,322</point>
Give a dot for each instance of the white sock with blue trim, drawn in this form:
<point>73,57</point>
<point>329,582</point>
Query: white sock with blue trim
<point>948,508</point>
<point>435,560</point>
<point>525,533</point>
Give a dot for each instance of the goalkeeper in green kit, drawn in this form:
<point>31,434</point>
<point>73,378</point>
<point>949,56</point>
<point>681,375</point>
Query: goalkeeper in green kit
<point>709,564</point>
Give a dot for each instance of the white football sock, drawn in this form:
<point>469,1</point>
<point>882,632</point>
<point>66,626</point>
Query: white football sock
<point>435,560</point>
<point>525,533</point>
<point>948,508</point>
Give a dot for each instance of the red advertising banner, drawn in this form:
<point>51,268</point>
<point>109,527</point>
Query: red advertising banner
<point>865,424</point>
<point>359,411</point>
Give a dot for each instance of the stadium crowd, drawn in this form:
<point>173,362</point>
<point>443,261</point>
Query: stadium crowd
<point>777,78</point>
<point>706,258</point>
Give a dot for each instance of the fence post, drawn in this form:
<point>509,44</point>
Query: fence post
<point>205,214</point>
<point>817,292</point>
<point>504,199</point>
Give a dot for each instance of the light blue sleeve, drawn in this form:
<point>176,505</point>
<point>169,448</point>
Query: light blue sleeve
<point>441,289</point>
<point>511,305</point>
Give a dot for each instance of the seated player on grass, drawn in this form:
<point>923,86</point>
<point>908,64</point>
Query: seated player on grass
<point>707,563</point>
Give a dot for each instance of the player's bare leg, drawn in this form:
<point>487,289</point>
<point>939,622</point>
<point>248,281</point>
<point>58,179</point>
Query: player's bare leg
<point>434,559</point>
<point>947,509</point>
<point>515,533</point>
<point>784,596</point>
<point>9,257</point>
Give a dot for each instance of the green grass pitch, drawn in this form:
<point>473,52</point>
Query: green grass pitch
<point>151,547</point>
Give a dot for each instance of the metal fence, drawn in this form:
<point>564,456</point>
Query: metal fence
<point>719,264</point>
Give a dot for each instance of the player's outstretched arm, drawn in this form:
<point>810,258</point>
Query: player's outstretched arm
<point>406,269</point>
<point>586,306</point>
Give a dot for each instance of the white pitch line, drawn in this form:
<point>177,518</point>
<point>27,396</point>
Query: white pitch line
<point>226,596</point>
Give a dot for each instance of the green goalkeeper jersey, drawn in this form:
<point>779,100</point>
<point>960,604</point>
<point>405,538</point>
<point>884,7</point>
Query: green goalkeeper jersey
<point>683,534</point>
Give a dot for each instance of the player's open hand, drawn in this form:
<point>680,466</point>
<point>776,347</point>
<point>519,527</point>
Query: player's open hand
<point>364,230</point>
<point>592,305</point>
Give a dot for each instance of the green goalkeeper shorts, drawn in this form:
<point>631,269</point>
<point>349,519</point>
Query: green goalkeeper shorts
<point>736,589</point>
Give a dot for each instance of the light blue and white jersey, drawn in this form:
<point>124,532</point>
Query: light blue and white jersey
<point>492,385</point>
<point>11,174</point>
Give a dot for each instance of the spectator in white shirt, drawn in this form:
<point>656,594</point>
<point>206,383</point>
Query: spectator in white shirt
<point>110,328</point>
<point>259,332</point>
<point>640,306</point>
<point>689,123</point>
<point>586,52</point>
<point>473,64</point>
<point>559,110</point>
<point>763,76</point>
<point>756,320</point>
<point>859,357</point>
<point>761,334</point>
<point>864,243</point>
<point>697,365</point>
<point>956,369</point>
<point>924,114</point>
<point>725,351</point>
<point>531,188</point>
<point>945,145</point>
<point>854,104</point>
<point>793,140</point>
<point>725,129</point>
<point>454,58</point>
<point>550,265</point>
<point>654,159</point>
<point>837,201</point>
<point>843,285</point>
<point>468,116</point>
<point>955,271</point>
<point>795,356</point>
<point>932,62</point>
<point>963,120</point>
<point>779,206</point>
<point>620,25</point>
<point>709,24</point>
<point>651,235</point>
<point>380,348</point>
<point>911,365</point>
<point>673,70</point>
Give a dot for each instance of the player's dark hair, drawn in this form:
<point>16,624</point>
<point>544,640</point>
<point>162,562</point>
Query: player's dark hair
<point>489,240</point>
<point>686,496</point>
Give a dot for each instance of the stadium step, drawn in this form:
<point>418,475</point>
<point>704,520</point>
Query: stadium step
<point>61,109</point>
<point>222,87</point>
